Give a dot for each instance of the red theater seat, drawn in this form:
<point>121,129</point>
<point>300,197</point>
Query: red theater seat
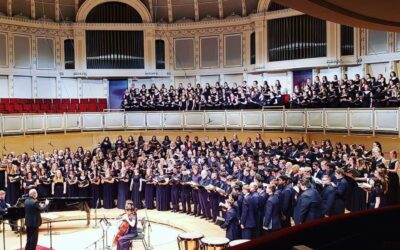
<point>82,108</point>
<point>27,108</point>
<point>45,108</point>
<point>74,101</point>
<point>36,108</point>
<point>92,107</point>
<point>71,108</point>
<point>18,108</point>
<point>10,108</point>
<point>102,105</point>
<point>2,107</point>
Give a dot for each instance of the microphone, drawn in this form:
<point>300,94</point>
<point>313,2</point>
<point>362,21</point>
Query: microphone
<point>50,144</point>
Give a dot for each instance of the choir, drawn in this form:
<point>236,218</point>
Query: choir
<point>250,188</point>
<point>344,93</point>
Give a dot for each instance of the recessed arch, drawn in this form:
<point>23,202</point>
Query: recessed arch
<point>88,5</point>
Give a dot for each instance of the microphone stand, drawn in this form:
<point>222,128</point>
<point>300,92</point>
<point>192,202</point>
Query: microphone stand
<point>149,247</point>
<point>95,213</point>
<point>4,235</point>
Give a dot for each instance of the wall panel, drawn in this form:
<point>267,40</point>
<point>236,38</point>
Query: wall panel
<point>377,42</point>
<point>4,87</point>
<point>184,53</point>
<point>233,50</point>
<point>209,52</point>
<point>23,87</point>
<point>93,89</point>
<point>3,50</point>
<point>22,51</point>
<point>69,88</point>
<point>46,87</point>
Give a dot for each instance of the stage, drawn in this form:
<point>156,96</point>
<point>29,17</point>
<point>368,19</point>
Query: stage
<point>71,232</point>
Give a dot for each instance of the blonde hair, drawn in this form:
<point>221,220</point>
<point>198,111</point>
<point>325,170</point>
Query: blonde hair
<point>294,169</point>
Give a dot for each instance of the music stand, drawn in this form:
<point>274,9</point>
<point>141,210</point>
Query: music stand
<point>105,225</point>
<point>50,218</point>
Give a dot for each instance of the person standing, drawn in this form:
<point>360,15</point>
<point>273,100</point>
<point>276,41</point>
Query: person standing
<point>309,202</point>
<point>272,220</point>
<point>247,218</point>
<point>231,222</point>
<point>328,196</point>
<point>33,220</point>
<point>342,188</point>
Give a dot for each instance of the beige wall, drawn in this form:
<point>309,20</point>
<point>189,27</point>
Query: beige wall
<point>89,140</point>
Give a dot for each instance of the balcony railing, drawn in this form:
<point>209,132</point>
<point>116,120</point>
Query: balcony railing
<point>348,121</point>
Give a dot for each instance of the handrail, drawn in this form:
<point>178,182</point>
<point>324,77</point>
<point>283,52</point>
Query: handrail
<point>370,121</point>
<point>366,229</point>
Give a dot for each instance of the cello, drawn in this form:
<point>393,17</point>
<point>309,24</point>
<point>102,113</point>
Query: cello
<point>124,227</point>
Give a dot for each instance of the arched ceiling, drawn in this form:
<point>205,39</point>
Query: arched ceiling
<point>169,11</point>
<point>379,15</point>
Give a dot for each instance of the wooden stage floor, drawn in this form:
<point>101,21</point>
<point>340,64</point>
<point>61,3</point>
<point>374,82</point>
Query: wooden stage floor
<point>72,233</point>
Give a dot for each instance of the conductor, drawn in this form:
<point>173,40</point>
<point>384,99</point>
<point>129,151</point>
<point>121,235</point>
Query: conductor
<point>33,220</point>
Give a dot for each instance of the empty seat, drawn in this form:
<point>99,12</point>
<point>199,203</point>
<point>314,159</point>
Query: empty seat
<point>82,107</point>
<point>36,108</point>
<point>27,108</point>
<point>92,107</point>
<point>102,105</point>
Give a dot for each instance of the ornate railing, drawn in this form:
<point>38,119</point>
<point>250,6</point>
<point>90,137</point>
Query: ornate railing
<point>348,121</point>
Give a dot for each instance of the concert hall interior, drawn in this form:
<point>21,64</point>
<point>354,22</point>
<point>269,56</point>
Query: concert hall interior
<point>199,124</point>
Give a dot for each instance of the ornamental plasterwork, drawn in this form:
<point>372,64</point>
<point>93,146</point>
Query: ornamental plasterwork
<point>36,31</point>
<point>209,31</point>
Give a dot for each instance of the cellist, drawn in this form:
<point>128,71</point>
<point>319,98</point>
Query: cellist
<point>128,229</point>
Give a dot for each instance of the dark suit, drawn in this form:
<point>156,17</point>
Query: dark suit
<point>328,200</point>
<point>272,219</point>
<point>248,217</point>
<point>309,206</point>
<point>231,224</point>
<point>33,220</point>
<point>341,194</point>
<point>285,202</point>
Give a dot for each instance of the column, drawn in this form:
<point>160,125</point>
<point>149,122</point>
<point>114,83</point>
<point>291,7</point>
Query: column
<point>80,49</point>
<point>80,88</point>
<point>58,87</point>
<point>33,9</point>
<point>9,7</point>
<point>34,87</point>
<point>106,88</point>
<point>149,50</point>
<point>332,34</point>
<point>261,43</point>
<point>11,86</point>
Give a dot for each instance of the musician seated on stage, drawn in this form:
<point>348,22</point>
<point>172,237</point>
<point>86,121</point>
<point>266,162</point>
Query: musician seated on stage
<point>128,229</point>
<point>3,210</point>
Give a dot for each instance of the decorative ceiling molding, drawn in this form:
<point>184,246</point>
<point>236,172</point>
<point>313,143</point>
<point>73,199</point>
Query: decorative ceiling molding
<point>36,31</point>
<point>351,16</point>
<point>207,31</point>
<point>88,5</point>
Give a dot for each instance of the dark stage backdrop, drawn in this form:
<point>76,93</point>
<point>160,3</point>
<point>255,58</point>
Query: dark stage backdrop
<point>300,77</point>
<point>117,89</point>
